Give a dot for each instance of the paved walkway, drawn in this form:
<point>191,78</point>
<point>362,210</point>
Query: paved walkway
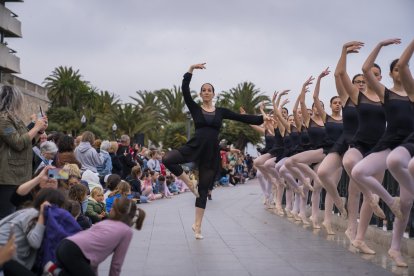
<point>240,238</point>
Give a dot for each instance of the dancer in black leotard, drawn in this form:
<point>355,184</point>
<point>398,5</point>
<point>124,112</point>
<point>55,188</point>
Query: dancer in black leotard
<point>371,120</point>
<point>203,148</point>
<point>400,123</point>
<point>400,163</point>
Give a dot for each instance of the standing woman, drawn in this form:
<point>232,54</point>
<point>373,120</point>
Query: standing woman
<point>203,147</point>
<point>399,114</point>
<point>400,166</point>
<point>15,146</point>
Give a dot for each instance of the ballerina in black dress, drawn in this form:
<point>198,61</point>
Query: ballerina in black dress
<point>203,148</point>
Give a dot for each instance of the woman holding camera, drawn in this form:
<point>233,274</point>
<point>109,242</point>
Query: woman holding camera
<point>15,146</point>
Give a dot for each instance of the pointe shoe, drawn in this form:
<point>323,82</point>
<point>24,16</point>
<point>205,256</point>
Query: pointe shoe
<point>348,234</point>
<point>288,213</point>
<point>397,258</point>
<point>296,217</point>
<point>279,211</point>
<point>301,192</point>
<point>363,247</point>
<point>344,213</point>
<point>396,208</point>
<point>315,224</point>
<point>197,233</point>
<point>328,228</point>
<point>375,207</point>
<point>194,188</point>
<point>308,185</point>
<point>304,220</point>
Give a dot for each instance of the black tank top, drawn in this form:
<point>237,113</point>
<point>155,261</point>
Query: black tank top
<point>317,134</point>
<point>399,112</point>
<point>350,118</point>
<point>333,129</point>
<point>371,118</point>
<point>269,141</point>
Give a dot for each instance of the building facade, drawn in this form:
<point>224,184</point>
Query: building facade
<point>35,95</point>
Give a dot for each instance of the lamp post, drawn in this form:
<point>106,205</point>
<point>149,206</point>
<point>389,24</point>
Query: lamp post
<point>83,121</point>
<point>114,128</point>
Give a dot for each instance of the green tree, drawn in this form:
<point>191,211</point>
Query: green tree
<point>245,95</point>
<point>63,86</point>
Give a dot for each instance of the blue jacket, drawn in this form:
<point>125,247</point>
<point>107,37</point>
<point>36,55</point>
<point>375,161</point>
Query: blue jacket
<point>59,224</point>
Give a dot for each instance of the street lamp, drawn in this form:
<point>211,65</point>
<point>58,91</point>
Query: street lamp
<point>83,121</point>
<point>114,128</point>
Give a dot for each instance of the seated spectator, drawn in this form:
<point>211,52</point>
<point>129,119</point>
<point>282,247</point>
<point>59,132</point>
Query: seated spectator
<point>147,186</point>
<point>106,167</point>
<point>97,145</point>
<point>66,153</point>
<point>122,190</point>
<point>86,154</point>
<point>172,187</point>
<point>156,189</point>
<point>28,226</point>
<point>135,182</point>
<point>96,209</point>
<point>79,193</point>
<point>164,191</point>
<point>111,183</point>
<point>82,253</point>
<point>92,179</point>
<point>48,152</point>
<point>153,163</point>
<point>26,192</point>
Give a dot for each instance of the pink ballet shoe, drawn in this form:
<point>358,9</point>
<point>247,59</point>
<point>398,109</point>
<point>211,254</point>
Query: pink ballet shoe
<point>304,220</point>
<point>308,185</point>
<point>197,232</point>
<point>348,234</point>
<point>288,213</point>
<point>396,208</point>
<point>315,224</point>
<point>296,217</point>
<point>363,247</point>
<point>375,206</point>
<point>328,228</point>
<point>194,188</point>
<point>397,258</point>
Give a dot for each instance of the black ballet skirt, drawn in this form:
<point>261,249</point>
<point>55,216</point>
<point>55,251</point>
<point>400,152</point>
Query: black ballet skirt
<point>269,142</point>
<point>203,148</point>
<point>371,118</point>
<point>399,113</point>
<point>277,149</point>
<point>408,143</point>
<point>350,127</point>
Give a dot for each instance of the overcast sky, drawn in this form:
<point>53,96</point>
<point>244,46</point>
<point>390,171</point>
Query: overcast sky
<point>128,45</point>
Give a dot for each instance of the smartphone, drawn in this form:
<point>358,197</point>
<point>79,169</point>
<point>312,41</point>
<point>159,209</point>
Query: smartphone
<point>41,111</point>
<point>11,233</point>
<point>58,174</point>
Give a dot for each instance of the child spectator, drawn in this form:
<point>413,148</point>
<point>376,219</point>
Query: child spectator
<point>79,193</point>
<point>96,209</point>
<point>111,183</point>
<point>82,253</point>
<point>122,190</point>
<point>135,182</point>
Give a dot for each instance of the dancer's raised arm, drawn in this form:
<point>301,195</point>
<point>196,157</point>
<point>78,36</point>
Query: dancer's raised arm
<point>372,80</point>
<point>305,114</point>
<point>298,121</point>
<point>283,123</point>
<point>350,89</point>
<point>316,100</point>
<point>405,73</point>
<point>185,86</point>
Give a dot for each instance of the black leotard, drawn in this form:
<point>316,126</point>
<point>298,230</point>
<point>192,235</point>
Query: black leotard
<point>399,114</point>
<point>371,118</point>
<point>350,127</point>
<point>287,142</point>
<point>317,134</point>
<point>269,142</point>
<point>278,148</point>
<point>334,129</point>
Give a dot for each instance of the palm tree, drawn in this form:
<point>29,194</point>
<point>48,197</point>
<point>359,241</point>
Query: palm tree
<point>172,104</point>
<point>249,97</point>
<point>63,86</point>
